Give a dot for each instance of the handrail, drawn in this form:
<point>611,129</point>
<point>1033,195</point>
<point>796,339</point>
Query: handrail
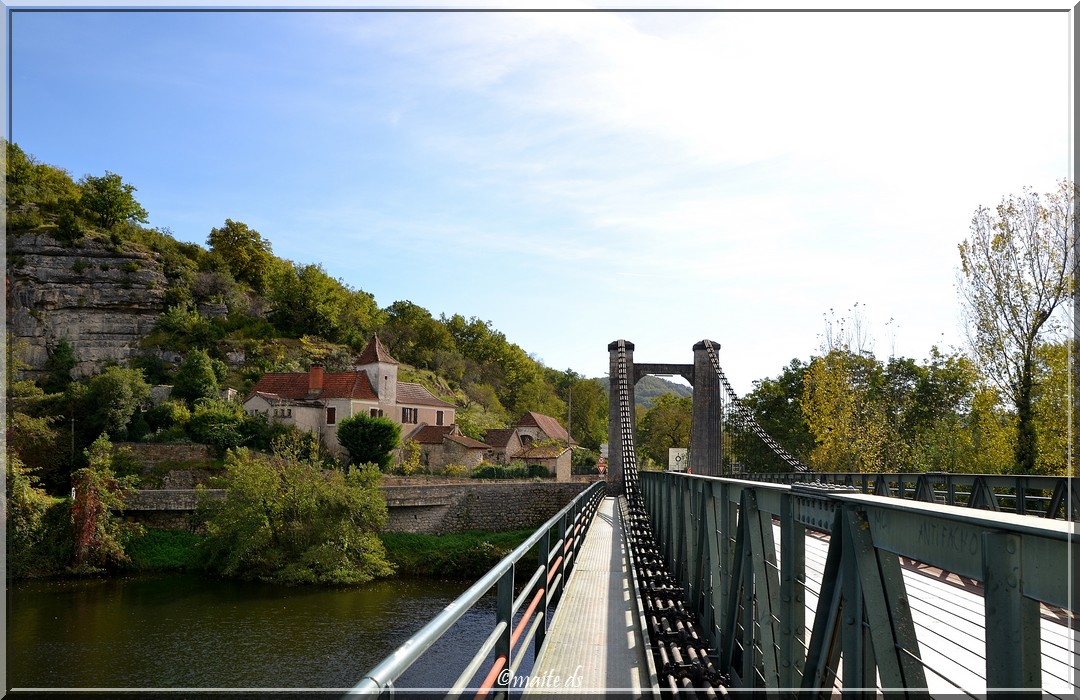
<point>1047,496</point>
<point>753,588</point>
<point>569,525</point>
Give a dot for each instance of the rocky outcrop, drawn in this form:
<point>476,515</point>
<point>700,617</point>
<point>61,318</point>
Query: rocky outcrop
<point>101,299</point>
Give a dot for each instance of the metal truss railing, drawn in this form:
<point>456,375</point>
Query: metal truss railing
<point>719,537</point>
<point>1041,495</point>
<point>558,540</point>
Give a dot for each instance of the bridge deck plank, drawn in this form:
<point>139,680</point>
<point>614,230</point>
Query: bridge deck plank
<point>595,642</point>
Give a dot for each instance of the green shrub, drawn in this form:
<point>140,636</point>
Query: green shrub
<point>165,550</point>
<point>291,522</point>
<point>457,555</point>
<point>514,470</point>
<point>454,470</point>
<point>167,415</point>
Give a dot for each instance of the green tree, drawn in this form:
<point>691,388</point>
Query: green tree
<point>26,507</point>
<point>286,520</point>
<point>217,423</point>
<point>307,301</point>
<point>1014,276</point>
<point>33,188</point>
<point>195,378</point>
<point>58,367</point>
<point>369,440</point>
<point>1051,407</point>
<point>776,404</point>
<point>109,402</point>
<point>110,200</point>
<point>247,254</point>
<point>588,413</point>
<point>851,429</point>
<point>665,425</point>
<point>412,335</point>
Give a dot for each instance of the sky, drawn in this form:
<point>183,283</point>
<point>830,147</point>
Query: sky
<point>576,178</point>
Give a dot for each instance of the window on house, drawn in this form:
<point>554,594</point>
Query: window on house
<point>331,415</point>
<point>288,412</point>
<point>410,415</point>
<point>526,440</point>
<point>375,413</point>
<point>438,418</point>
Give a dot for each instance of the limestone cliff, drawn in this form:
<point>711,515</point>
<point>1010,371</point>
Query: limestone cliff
<point>101,298</point>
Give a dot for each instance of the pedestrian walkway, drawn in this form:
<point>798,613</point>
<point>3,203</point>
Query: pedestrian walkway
<point>595,643</point>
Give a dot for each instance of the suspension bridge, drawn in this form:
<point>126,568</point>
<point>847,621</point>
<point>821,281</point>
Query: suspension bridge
<point>751,573</point>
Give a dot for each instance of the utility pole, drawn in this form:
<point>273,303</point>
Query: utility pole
<point>569,412</point>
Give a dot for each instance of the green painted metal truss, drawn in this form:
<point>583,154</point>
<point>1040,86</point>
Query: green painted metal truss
<point>719,537</point>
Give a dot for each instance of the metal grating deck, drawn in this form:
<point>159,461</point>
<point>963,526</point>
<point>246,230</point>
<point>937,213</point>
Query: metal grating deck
<point>595,643</point>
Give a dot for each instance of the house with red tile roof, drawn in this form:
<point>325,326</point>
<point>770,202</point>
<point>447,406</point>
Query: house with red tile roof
<point>533,439</point>
<point>446,444</point>
<point>316,400</point>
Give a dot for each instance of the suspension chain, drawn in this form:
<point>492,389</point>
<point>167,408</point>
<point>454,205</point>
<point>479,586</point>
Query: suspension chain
<point>748,418</point>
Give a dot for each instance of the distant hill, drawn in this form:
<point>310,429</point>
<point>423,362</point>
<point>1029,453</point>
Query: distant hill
<point>649,387</point>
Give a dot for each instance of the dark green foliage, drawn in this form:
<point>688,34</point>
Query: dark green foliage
<point>165,550</point>
<point>246,254</point>
<point>369,440</point>
<point>109,402</point>
<point>307,301</point>
<point>58,367</point>
<point>517,470</point>
<point>110,200</point>
<point>27,504</point>
<point>665,425</point>
<point>196,378</point>
<point>412,335</point>
<point>456,555</point>
<point>183,329</point>
<point>777,406</point>
<point>217,423</point>
<point>287,520</point>
<point>68,229</point>
<point>155,370</point>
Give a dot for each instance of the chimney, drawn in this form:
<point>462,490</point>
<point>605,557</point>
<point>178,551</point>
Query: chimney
<point>315,380</point>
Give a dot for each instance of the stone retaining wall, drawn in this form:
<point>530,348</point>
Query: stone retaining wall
<point>433,509</point>
<point>150,454</point>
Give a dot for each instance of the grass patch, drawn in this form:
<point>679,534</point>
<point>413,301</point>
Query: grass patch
<point>456,555</point>
<point>165,550</point>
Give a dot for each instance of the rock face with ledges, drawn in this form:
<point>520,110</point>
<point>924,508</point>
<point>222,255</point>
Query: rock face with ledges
<point>101,299</point>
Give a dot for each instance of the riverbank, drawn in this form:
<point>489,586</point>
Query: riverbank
<point>463,555</point>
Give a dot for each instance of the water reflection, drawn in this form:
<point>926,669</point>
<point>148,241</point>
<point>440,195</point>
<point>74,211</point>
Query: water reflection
<point>184,631</point>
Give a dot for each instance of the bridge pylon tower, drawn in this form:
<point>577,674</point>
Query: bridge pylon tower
<point>706,439</point>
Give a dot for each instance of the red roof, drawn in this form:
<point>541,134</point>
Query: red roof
<point>436,434</point>
<point>499,437</point>
<point>335,385</point>
<point>551,427</point>
<point>466,441</point>
<point>375,352</point>
<point>431,434</point>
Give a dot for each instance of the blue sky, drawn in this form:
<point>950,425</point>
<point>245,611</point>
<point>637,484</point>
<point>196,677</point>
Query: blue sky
<point>576,178</point>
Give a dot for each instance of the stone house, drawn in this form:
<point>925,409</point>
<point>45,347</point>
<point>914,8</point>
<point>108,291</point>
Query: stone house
<point>316,400</point>
<point>443,445</point>
<point>533,439</point>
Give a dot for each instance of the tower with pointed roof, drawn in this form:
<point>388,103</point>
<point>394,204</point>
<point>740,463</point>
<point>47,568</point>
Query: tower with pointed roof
<point>382,371</point>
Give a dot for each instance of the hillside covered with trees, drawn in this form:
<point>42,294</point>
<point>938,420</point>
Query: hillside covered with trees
<point>231,311</point>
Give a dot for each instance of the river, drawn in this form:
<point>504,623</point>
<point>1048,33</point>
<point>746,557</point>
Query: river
<point>187,631</point>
